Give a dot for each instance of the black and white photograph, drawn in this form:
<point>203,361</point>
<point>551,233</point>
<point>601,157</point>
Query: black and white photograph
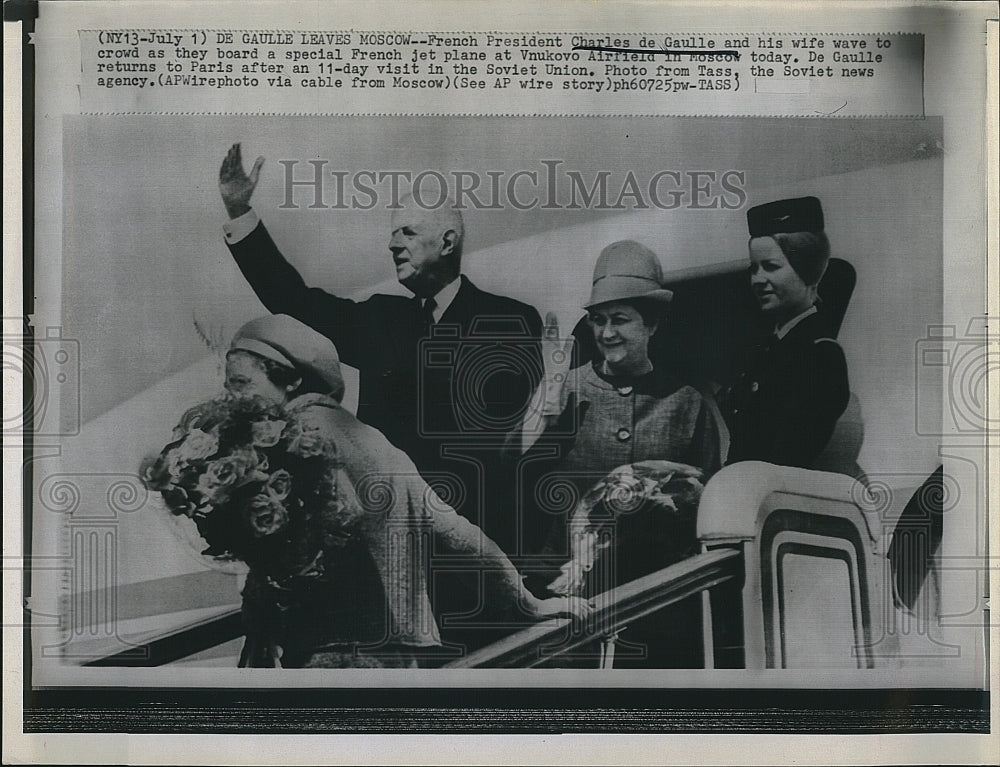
<point>375,415</point>
<point>334,420</point>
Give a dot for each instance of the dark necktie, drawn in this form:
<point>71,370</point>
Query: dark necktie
<point>427,313</point>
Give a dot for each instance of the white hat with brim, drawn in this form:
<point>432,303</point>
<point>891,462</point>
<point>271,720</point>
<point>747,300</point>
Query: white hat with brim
<point>627,270</point>
<point>289,342</point>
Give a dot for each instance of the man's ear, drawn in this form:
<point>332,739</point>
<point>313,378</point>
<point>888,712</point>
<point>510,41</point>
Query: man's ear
<point>450,240</point>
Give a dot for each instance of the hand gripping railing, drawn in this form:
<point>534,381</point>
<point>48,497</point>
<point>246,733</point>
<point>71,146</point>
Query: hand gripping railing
<point>616,608</point>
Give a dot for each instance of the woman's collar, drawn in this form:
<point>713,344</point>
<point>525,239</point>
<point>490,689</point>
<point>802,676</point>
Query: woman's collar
<point>783,330</point>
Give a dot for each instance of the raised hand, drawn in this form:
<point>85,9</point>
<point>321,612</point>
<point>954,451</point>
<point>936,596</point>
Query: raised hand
<point>235,185</point>
<point>556,356</point>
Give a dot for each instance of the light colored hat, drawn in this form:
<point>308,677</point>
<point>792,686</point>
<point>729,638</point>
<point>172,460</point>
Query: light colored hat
<point>627,270</point>
<point>289,342</point>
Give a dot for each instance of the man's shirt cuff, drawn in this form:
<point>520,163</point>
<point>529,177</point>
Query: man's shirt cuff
<point>240,228</point>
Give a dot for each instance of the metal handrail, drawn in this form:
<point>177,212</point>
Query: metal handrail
<point>524,649</point>
<point>615,608</point>
<point>179,642</point>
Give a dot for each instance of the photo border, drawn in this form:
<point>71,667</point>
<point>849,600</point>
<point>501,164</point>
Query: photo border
<point>844,711</point>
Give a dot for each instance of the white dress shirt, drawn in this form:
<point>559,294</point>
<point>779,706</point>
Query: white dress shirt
<point>444,298</point>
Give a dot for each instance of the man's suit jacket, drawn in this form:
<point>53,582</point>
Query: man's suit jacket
<point>446,396</point>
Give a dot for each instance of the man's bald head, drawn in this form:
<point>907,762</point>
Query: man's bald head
<point>426,245</point>
<point>445,217</point>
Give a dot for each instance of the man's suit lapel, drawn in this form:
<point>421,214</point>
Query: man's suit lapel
<point>463,308</point>
<point>401,336</point>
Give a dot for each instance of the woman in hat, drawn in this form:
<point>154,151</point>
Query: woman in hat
<point>633,441</point>
<point>783,407</point>
<point>334,521</point>
<point>623,408</point>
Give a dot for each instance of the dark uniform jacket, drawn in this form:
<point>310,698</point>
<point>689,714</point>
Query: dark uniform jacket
<point>447,396</point>
<point>783,407</point>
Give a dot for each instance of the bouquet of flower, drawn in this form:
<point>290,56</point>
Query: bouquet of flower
<point>259,485</point>
<point>643,513</point>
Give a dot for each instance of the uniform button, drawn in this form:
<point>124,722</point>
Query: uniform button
<point>624,435</point>
<point>754,386</point>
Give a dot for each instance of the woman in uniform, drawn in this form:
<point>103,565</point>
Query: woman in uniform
<point>784,405</point>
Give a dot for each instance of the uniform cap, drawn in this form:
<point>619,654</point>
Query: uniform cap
<point>799,214</point>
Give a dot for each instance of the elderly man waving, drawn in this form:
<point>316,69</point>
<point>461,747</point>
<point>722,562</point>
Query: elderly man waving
<point>444,375</point>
